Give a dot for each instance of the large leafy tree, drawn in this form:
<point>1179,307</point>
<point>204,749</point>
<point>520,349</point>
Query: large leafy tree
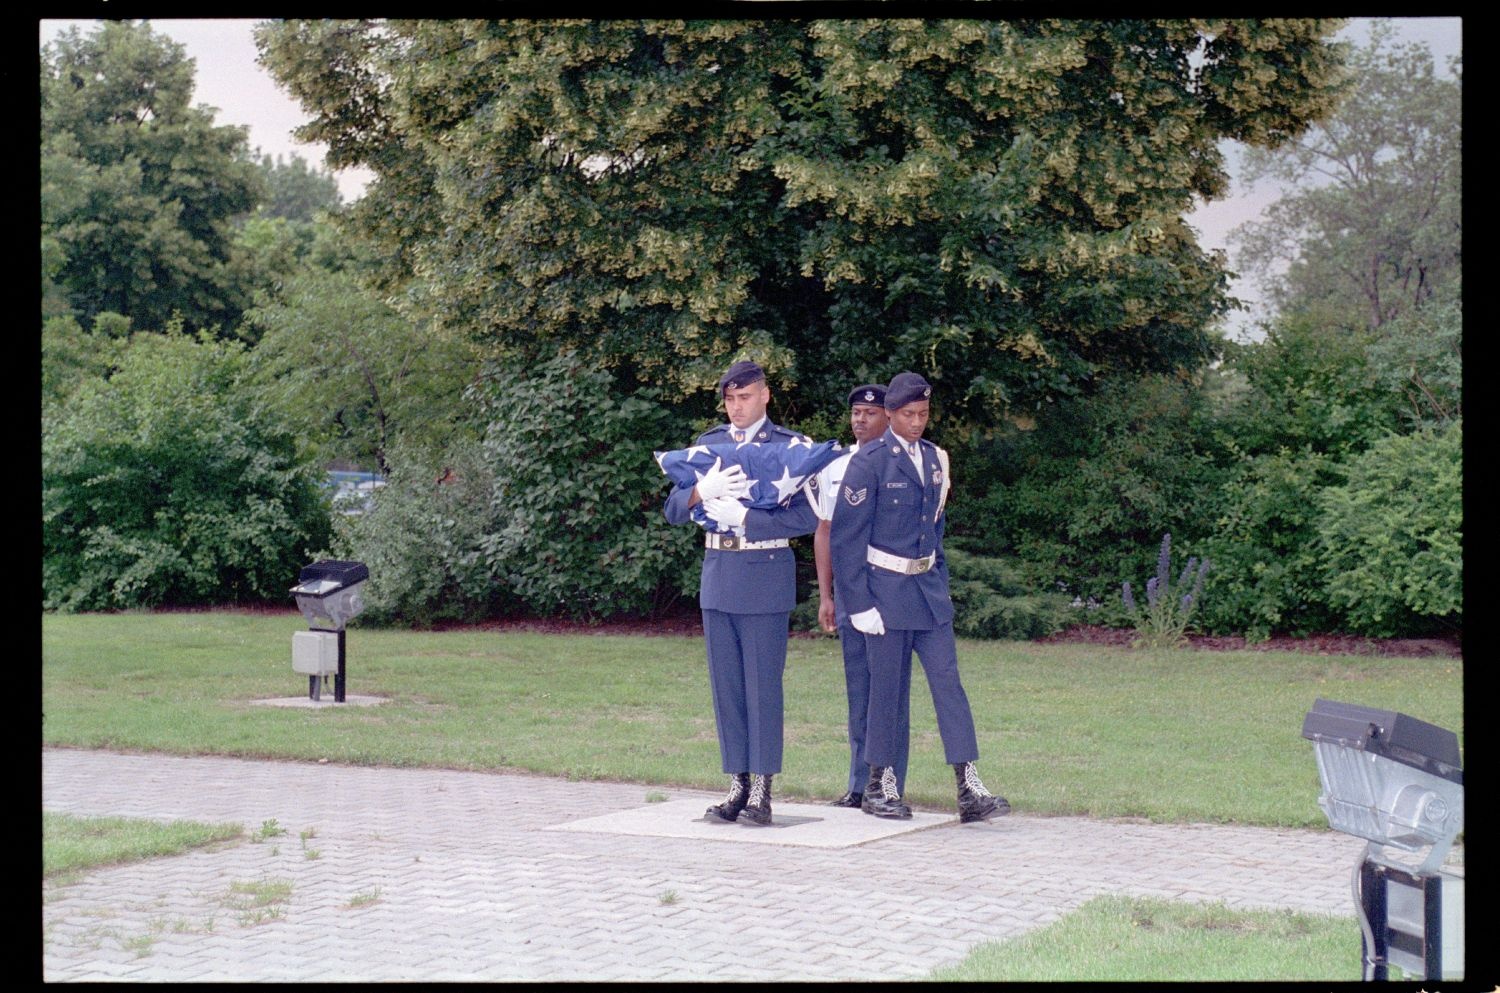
<point>138,187</point>
<point>353,374</point>
<point>997,203</point>
<point>1373,227</point>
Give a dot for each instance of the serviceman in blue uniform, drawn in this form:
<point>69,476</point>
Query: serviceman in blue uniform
<point>892,579</point>
<point>747,593</point>
<point>868,421</point>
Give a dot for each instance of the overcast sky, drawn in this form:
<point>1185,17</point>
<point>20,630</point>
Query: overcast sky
<point>229,79</point>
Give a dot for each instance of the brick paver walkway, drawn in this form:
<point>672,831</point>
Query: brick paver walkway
<point>439,875</point>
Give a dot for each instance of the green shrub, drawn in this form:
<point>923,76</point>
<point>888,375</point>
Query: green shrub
<point>168,484</point>
<point>1261,535</point>
<point>805,615</point>
<point>71,356</point>
<point>1392,535</point>
<point>1083,497</point>
<point>578,496</point>
<point>557,512</point>
<point>995,598</point>
<point>422,540</point>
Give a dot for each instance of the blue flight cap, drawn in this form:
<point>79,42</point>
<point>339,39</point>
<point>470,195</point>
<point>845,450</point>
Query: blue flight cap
<point>740,375</point>
<point>871,393</point>
<point>905,388</point>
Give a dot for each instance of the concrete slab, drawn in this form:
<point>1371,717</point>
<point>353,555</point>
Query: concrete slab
<point>350,700</point>
<point>798,824</point>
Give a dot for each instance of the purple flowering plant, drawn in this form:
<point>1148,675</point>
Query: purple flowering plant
<point>1163,620</point>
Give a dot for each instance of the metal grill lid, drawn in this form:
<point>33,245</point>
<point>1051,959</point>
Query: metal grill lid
<point>338,572</point>
<point>1398,737</point>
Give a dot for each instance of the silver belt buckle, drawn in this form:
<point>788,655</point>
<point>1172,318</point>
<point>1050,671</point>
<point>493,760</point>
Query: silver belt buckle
<point>727,543</point>
<point>921,566</point>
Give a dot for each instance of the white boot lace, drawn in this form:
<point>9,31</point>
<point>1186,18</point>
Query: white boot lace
<point>971,780</point>
<point>759,787</point>
<point>888,784</point>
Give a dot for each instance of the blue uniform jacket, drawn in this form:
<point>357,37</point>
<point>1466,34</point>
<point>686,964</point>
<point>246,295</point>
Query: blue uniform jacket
<point>761,581</point>
<point>882,503</point>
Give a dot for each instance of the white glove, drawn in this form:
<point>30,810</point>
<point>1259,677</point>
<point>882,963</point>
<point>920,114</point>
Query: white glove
<point>726,512</point>
<point>868,621</point>
<point>718,482</point>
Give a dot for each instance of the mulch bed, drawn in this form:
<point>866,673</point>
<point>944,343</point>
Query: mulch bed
<point>1318,644</point>
<point>689,623</point>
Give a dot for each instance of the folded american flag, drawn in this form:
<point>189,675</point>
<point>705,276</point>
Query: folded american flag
<point>775,471</point>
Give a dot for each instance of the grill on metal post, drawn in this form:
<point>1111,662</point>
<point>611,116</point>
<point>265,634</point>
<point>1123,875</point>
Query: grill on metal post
<point>1398,783</point>
<point>329,594</point>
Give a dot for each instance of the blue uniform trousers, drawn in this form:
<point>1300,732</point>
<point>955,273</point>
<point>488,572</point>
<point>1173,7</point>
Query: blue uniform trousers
<point>857,684</point>
<point>889,658</point>
<point>746,660</point>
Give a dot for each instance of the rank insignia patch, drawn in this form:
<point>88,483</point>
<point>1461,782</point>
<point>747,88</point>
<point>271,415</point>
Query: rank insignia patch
<point>854,499</point>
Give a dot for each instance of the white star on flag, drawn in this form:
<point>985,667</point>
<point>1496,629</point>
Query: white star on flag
<point>787,484</point>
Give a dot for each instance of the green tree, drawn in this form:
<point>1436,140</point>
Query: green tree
<point>138,187</point>
<point>997,203</point>
<point>1312,385</point>
<point>296,191</point>
<point>72,356</point>
<point>169,483</point>
<point>1373,227</point>
<point>353,374</point>
<point>1418,358</point>
<point>269,251</point>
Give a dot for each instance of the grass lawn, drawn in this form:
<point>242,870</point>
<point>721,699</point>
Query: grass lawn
<point>72,845</point>
<point>1170,735</point>
<point>1119,939</point>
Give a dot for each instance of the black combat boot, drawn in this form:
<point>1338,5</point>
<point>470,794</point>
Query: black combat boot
<point>881,796</point>
<point>739,792</point>
<point>758,807</point>
<point>975,803</point>
<point>849,799</point>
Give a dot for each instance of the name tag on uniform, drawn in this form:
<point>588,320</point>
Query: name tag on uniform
<point>896,486</point>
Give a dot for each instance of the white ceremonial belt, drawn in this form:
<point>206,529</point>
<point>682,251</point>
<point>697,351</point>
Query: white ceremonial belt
<point>896,563</point>
<point>734,543</point>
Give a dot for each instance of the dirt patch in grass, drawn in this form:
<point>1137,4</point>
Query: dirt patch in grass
<point>1319,644</point>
